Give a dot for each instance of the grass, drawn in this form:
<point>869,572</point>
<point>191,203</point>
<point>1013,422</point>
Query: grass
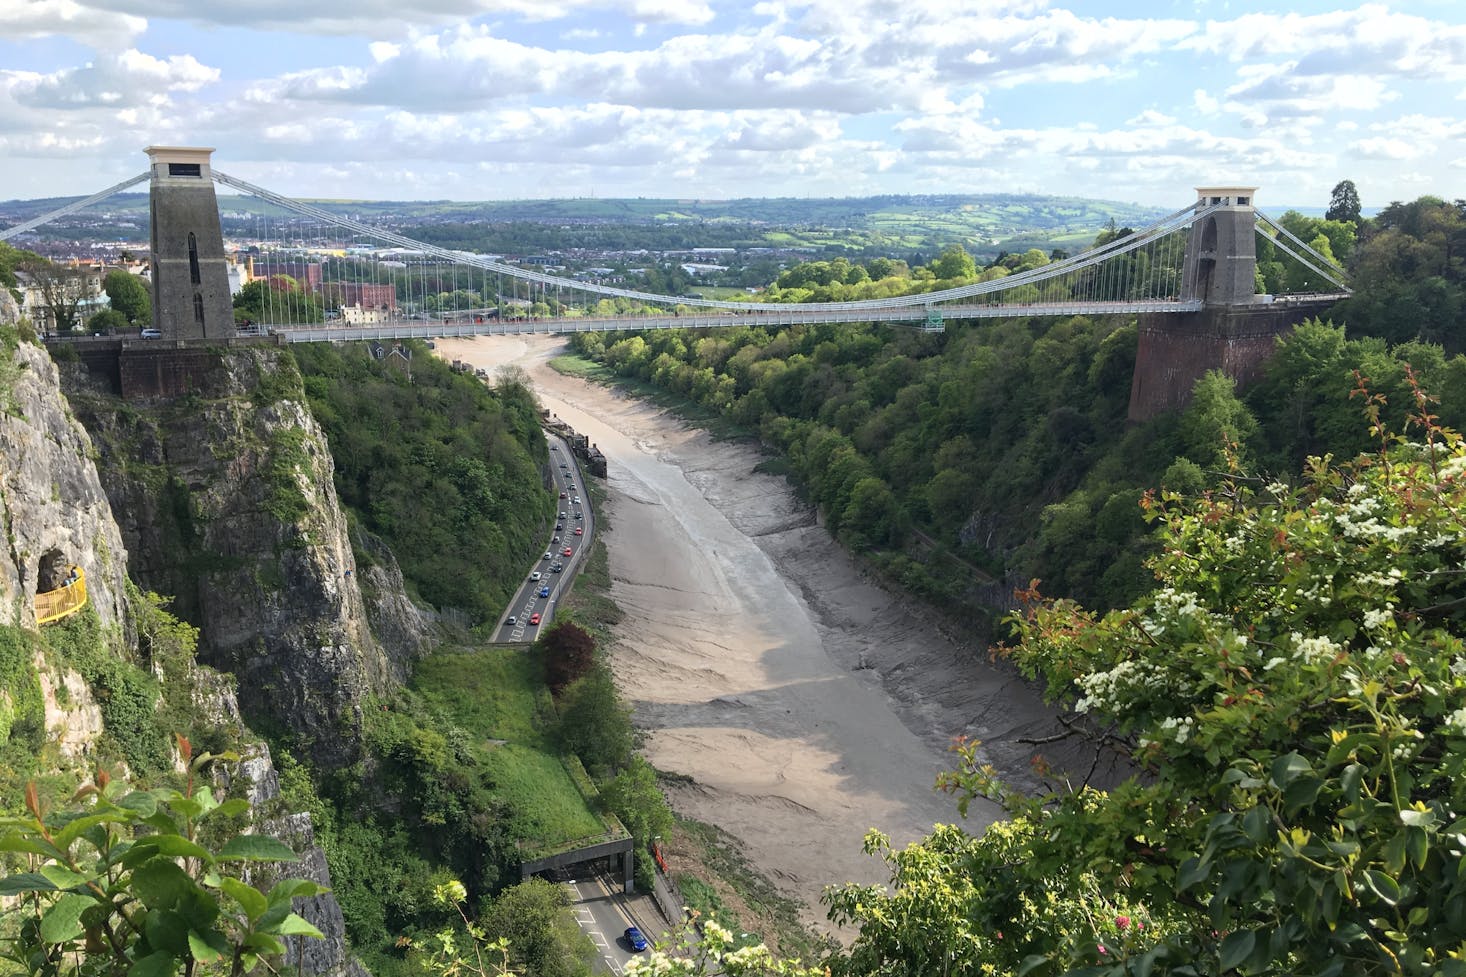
<point>547,805</point>
<point>771,916</point>
<point>493,694</point>
<point>490,692</point>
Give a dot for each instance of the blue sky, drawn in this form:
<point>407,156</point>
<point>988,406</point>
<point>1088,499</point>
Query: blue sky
<point>496,99</point>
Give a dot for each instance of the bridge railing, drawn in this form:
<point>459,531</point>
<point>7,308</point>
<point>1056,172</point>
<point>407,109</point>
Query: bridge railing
<point>53,605</point>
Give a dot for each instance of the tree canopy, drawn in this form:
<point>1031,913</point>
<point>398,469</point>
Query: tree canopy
<point>1343,202</point>
<point>1291,697</point>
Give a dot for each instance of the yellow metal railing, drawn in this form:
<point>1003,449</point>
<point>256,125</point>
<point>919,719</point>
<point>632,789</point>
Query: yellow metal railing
<point>71,597</point>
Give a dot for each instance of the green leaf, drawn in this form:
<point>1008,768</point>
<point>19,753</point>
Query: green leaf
<point>264,943</point>
<point>62,921</point>
<point>256,848</point>
<point>250,899</point>
<point>160,884</point>
<point>1255,824</point>
<point>1394,853</point>
<point>74,828</point>
<point>1417,843</point>
<point>294,925</point>
<point>1300,793</point>
<point>177,845</point>
<point>26,882</point>
<point>1193,870</point>
<point>231,808</point>
<point>291,888</point>
<point>1237,947</point>
<point>64,878</point>
<point>208,947</point>
<point>156,964</point>
<point>1031,963</point>
<point>1382,885</point>
<point>167,930</point>
<point>29,845</point>
<point>1287,767</point>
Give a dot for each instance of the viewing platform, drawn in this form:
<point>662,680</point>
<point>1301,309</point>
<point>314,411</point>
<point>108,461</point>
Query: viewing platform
<point>53,605</point>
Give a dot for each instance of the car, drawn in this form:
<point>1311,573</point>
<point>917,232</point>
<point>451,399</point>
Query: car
<point>157,334</point>
<point>634,939</point>
<point>556,568</point>
<point>559,526</point>
<point>562,495</point>
<point>535,575</point>
<point>576,500</point>
<point>562,515</point>
<point>554,447</point>
<point>579,531</point>
<point>567,551</point>
<point>563,465</point>
<point>554,539</point>
<point>546,556</point>
<point>544,591</point>
<point>512,620</point>
<point>579,516</point>
<point>534,618</point>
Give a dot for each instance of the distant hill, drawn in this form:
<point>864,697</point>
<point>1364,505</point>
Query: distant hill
<point>981,222</point>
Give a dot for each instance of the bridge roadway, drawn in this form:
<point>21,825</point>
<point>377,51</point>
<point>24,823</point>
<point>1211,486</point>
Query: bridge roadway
<point>408,328</point>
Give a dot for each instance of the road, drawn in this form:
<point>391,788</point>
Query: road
<point>527,600</point>
<point>601,913</point>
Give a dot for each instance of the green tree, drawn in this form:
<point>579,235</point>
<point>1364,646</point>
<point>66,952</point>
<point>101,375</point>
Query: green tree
<point>107,321</point>
<point>1343,202</point>
<point>1216,423</point>
<point>710,950</point>
<point>595,724</point>
<point>1291,696</point>
<point>129,296</point>
<point>634,797</point>
<point>543,938</point>
<point>954,263</point>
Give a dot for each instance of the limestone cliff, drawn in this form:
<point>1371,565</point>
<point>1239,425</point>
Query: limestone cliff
<point>52,507</point>
<point>55,514</point>
<point>226,500</point>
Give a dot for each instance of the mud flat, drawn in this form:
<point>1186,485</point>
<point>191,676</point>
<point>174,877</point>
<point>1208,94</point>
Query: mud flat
<point>805,704</point>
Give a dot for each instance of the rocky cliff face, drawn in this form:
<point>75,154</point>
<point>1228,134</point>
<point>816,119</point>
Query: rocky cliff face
<point>55,514</point>
<point>52,507</point>
<point>226,500</point>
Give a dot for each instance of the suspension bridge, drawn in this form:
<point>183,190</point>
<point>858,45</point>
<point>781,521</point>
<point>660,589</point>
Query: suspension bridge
<point>333,277</point>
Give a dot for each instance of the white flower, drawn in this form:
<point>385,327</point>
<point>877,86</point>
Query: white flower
<point>1457,720</point>
<point>1374,619</point>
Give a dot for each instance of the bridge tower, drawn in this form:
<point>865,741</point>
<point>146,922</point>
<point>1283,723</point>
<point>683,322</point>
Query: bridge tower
<point>190,275</point>
<point>1236,330</point>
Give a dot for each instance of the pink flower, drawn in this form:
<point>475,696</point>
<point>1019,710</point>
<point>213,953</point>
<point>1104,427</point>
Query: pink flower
<point>1102,949</point>
<point>1122,921</point>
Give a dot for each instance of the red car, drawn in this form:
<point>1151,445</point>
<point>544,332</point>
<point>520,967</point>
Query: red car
<point>579,531</point>
<point>567,551</point>
<point>534,618</point>
<point>562,495</point>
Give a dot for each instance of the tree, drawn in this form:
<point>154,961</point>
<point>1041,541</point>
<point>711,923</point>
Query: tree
<point>126,881</point>
<point>634,797</point>
<point>569,652</point>
<point>1291,698</point>
<point>107,321</point>
<point>1343,203</point>
<point>594,723</point>
<point>63,292</point>
<point>534,919</point>
<point>129,296</point>
<point>709,949</point>
<point>955,262</point>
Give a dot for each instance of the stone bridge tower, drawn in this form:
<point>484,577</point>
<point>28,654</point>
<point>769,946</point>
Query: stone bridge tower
<point>190,274</point>
<point>1236,330</point>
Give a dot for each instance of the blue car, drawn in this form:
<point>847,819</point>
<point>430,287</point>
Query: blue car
<point>544,591</point>
<point>634,937</point>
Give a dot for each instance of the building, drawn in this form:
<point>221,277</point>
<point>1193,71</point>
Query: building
<point>363,295</point>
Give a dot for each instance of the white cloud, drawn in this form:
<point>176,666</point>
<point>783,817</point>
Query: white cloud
<point>113,81</point>
<point>393,18</point>
<point>102,30</point>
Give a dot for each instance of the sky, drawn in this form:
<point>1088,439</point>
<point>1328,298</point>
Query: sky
<point>1128,100</point>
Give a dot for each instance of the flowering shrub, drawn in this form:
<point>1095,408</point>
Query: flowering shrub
<point>1293,697</point>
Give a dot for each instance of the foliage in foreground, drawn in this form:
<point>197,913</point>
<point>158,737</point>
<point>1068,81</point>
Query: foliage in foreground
<point>131,881</point>
<point>1292,694</point>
